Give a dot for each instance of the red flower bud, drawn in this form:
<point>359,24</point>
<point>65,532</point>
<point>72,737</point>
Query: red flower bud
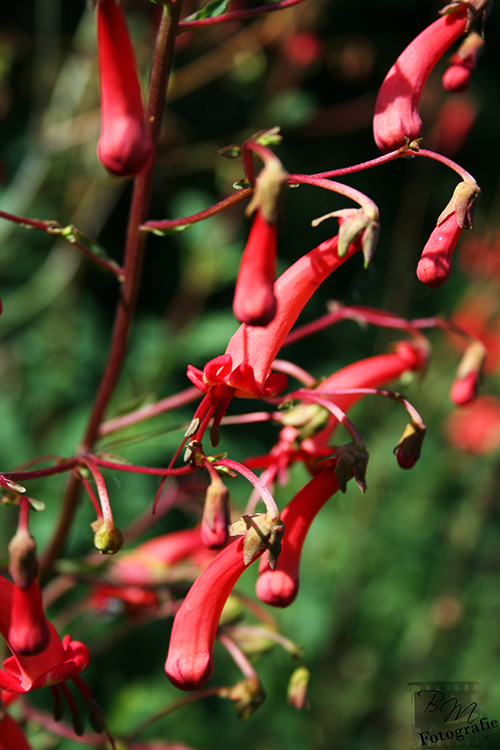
<point>254,300</point>
<point>215,522</point>
<point>28,632</point>
<point>409,447</point>
<point>125,147</point>
<point>434,267</point>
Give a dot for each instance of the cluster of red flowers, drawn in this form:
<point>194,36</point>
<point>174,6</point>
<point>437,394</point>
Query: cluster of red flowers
<point>267,309</point>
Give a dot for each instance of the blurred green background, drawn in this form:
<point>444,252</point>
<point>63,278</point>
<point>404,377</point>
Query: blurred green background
<point>399,585</point>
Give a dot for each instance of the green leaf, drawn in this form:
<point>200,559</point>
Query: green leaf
<point>210,10</point>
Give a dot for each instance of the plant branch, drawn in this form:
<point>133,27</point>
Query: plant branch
<point>134,252</point>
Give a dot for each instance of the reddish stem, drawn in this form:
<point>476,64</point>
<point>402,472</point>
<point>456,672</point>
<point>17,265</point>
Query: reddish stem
<point>236,15</point>
<point>201,215</point>
<point>134,251</point>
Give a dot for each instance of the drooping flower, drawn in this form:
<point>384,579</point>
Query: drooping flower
<point>125,147</point>
<point>57,662</point>
<point>308,427</point>
<point>372,372</point>
<point>279,587</point>
<point>434,266</point>
<point>397,118</point>
<point>189,662</point>
<point>28,632</point>
<point>244,370</point>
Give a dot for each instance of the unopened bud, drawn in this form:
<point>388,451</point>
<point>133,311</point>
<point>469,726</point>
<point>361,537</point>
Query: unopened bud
<point>108,538</point>
<point>215,522</point>
<point>298,688</point>
<point>408,449</point>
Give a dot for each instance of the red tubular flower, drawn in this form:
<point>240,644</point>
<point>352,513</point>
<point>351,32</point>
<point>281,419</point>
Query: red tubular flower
<point>125,147</point>
<point>28,632</point>
<point>57,662</point>
<point>279,587</point>
<point>307,432</point>
<point>11,735</point>
<point>189,662</point>
<point>244,370</point>
<point>254,301</point>
<point>372,372</point>
<point>434,266</point>
<point>215,521</point>
<point>397,108</point>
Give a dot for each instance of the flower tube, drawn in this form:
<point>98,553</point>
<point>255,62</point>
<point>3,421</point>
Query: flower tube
<point>244,370</point>
<point>397,119</point>
<point>254,300</point>
<point>57,662</point>
<point>189,662</point>
<point>372,372</point>
<point>125,147</point>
